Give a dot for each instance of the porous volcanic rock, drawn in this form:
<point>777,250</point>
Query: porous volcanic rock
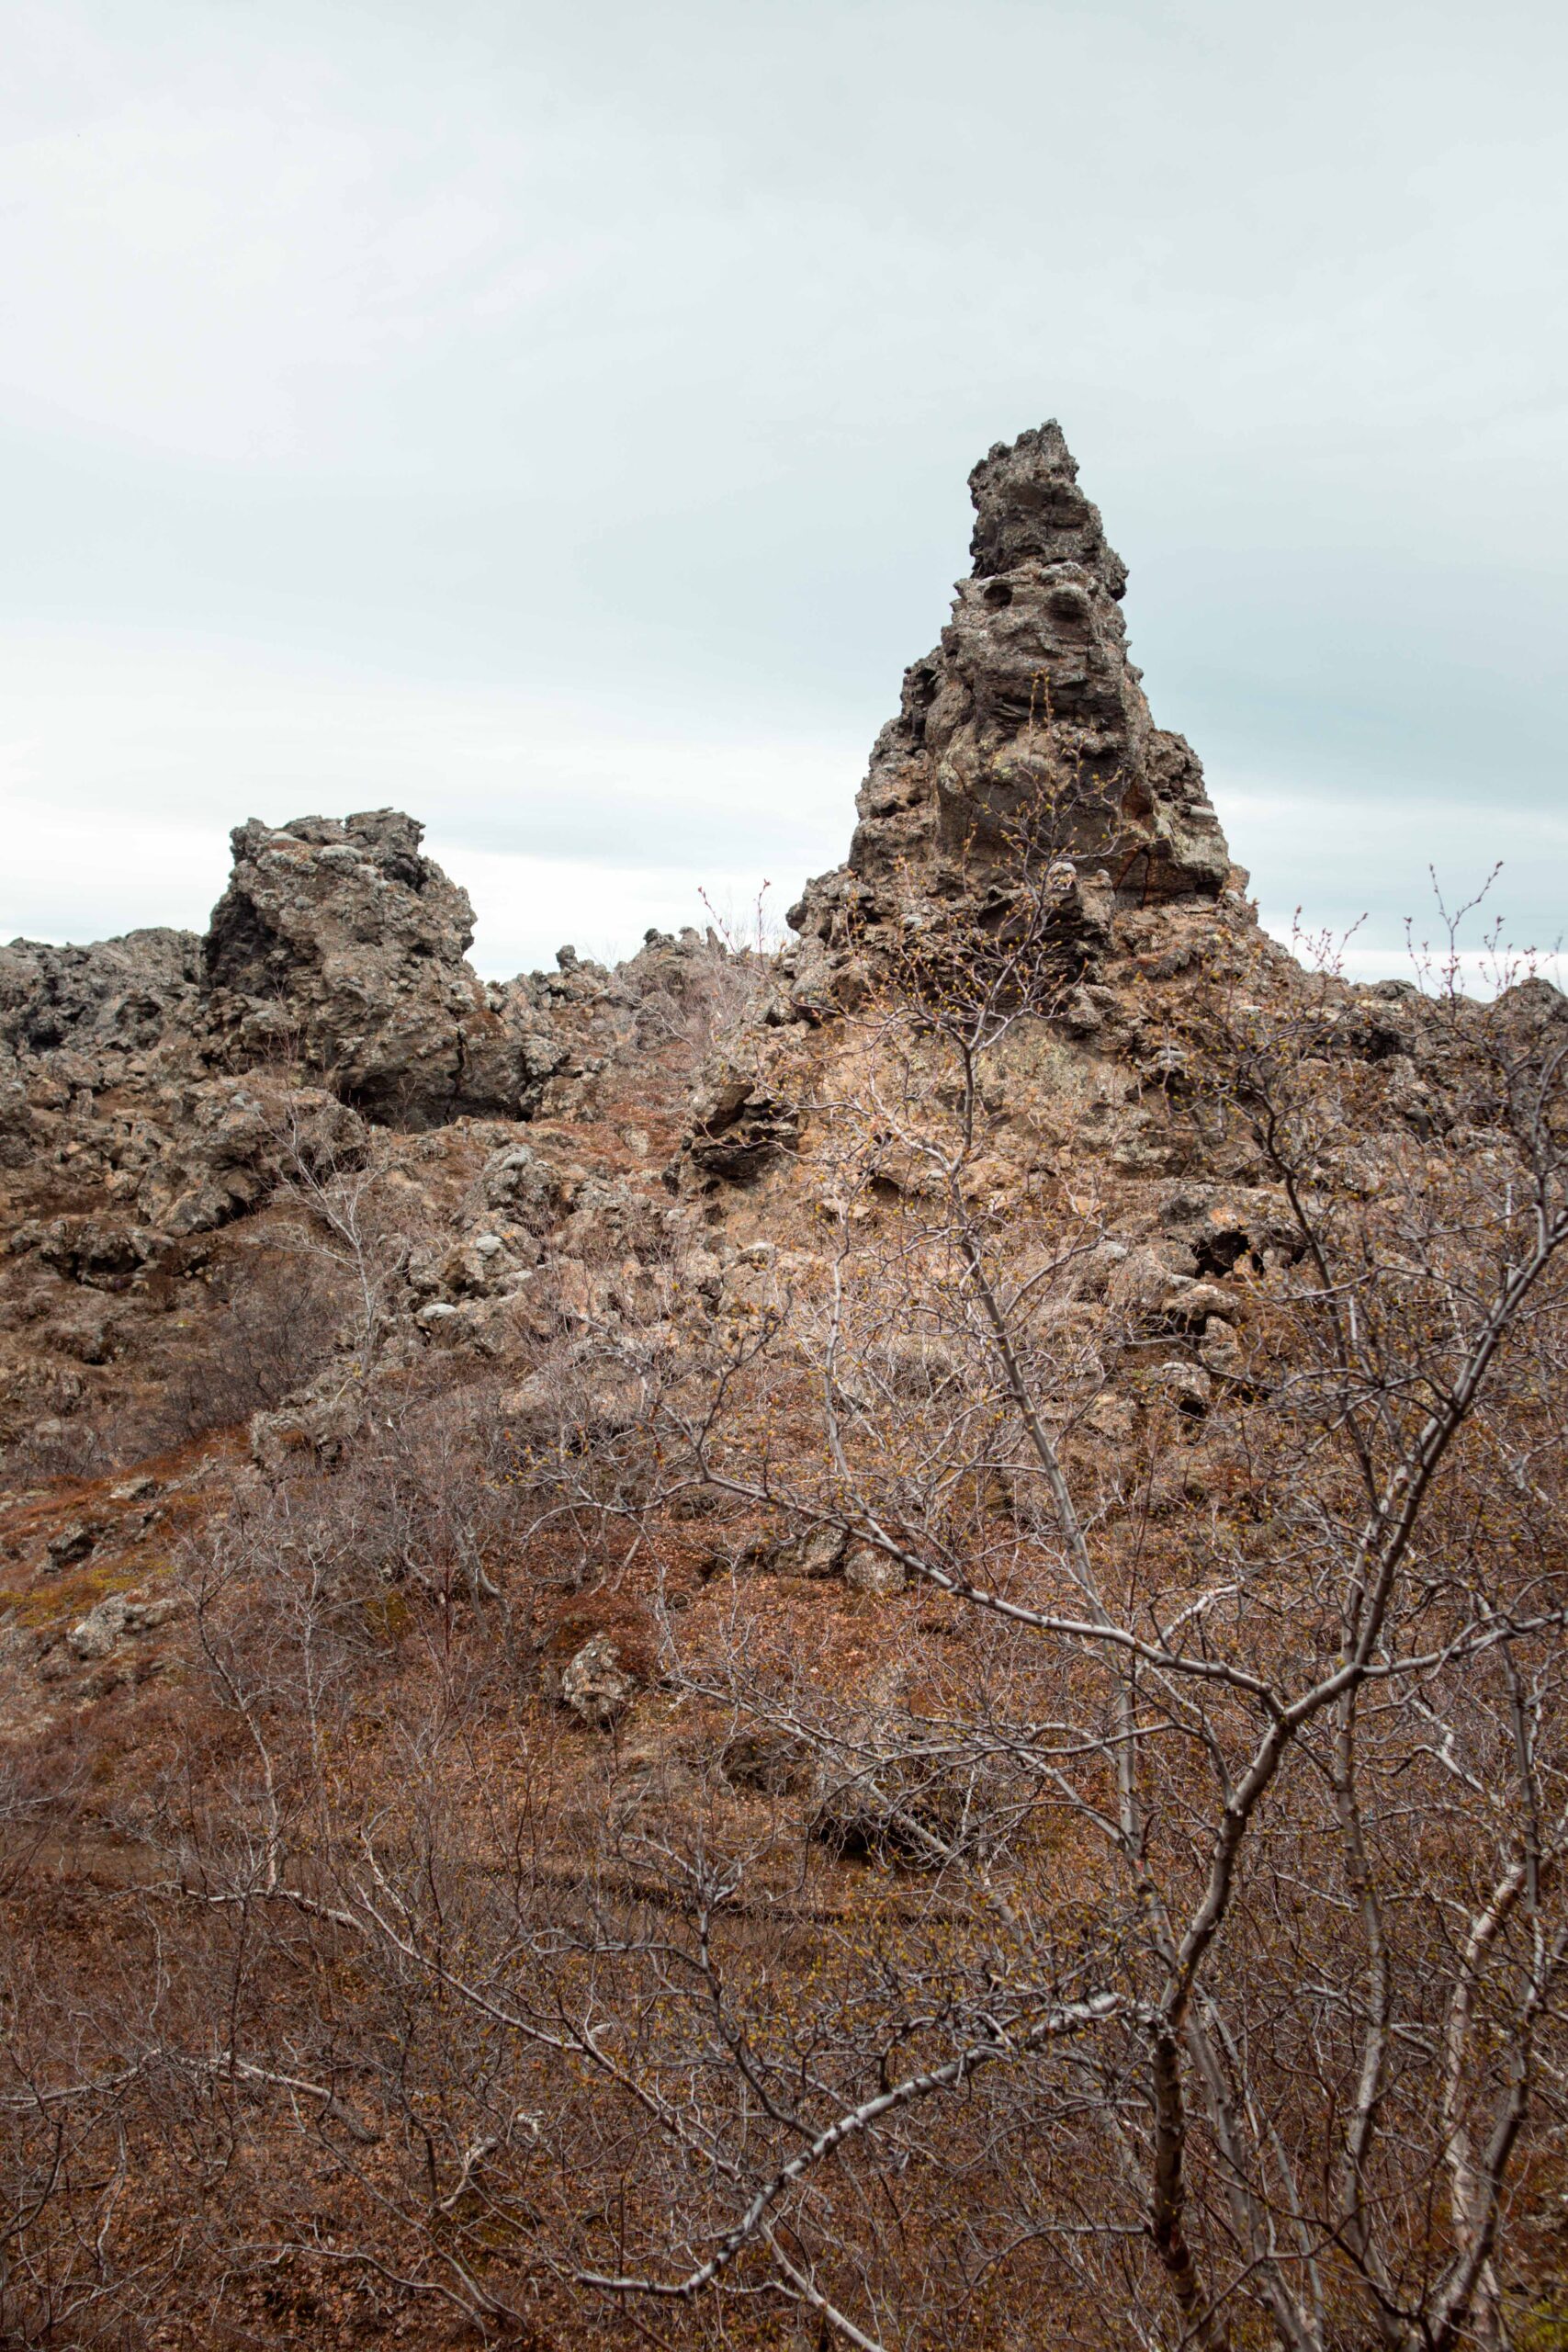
<point>116,997</point>
<point>338,946</point>
<point>74,1018</point>
<point>1023,744</point>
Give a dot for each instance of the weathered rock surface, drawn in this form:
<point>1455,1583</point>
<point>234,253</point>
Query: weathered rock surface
<point>74,1019</point>
<point>119,996</point>
<point>337,951</point>
<point>340,947</point>
<point>596,1685</point>
<point>174,1110</point>
<point>742,1124</point>
<point>1023,743</point>
<point>170,1107</point>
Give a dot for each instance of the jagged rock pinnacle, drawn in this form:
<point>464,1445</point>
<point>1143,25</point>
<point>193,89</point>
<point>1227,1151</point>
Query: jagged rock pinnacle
<point>1027,502</point>
<point>1023,736</point>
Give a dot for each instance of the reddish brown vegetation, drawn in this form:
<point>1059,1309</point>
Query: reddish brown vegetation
<point>1130,1915</point>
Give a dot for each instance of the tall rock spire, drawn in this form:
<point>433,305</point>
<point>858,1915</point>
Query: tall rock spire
<point>1027,502</point>
<point>1025,736</point>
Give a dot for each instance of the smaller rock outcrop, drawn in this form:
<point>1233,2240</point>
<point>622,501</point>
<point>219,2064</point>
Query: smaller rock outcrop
<point>742,1124</point>
<point>337,945</point>
<point>337,950</point>
<point>227,1142</point>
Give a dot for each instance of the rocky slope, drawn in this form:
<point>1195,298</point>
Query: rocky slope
<point>533,1157</point>
<point>170,1103</point>
<point>340,1291</point>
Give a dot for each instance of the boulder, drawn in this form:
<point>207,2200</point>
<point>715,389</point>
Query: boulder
<point>1193,1303</point>
<point>229,1143</point>
<point>740,1123</point>
<point>816,1552</point>
<point>75,1541</point>
<point>596,1684</point>
<point>100,1630</point>
<point>1145,1280</point>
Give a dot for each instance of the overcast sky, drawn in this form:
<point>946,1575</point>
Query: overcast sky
<point>554,421</point>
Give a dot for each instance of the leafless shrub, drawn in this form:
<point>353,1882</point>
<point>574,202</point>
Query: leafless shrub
<point>722,985</point>
<point>1336,1701</point>
<point>265,1333</point>
<point>1160,1940</point>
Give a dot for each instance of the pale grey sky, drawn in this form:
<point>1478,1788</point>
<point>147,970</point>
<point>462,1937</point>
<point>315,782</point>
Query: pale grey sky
<point>556,423</point>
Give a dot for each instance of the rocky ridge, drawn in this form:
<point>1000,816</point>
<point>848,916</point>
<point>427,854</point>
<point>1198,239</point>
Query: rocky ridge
<point>507,1460</point>
<point>559,1185</point>
<point>166,1098</point>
